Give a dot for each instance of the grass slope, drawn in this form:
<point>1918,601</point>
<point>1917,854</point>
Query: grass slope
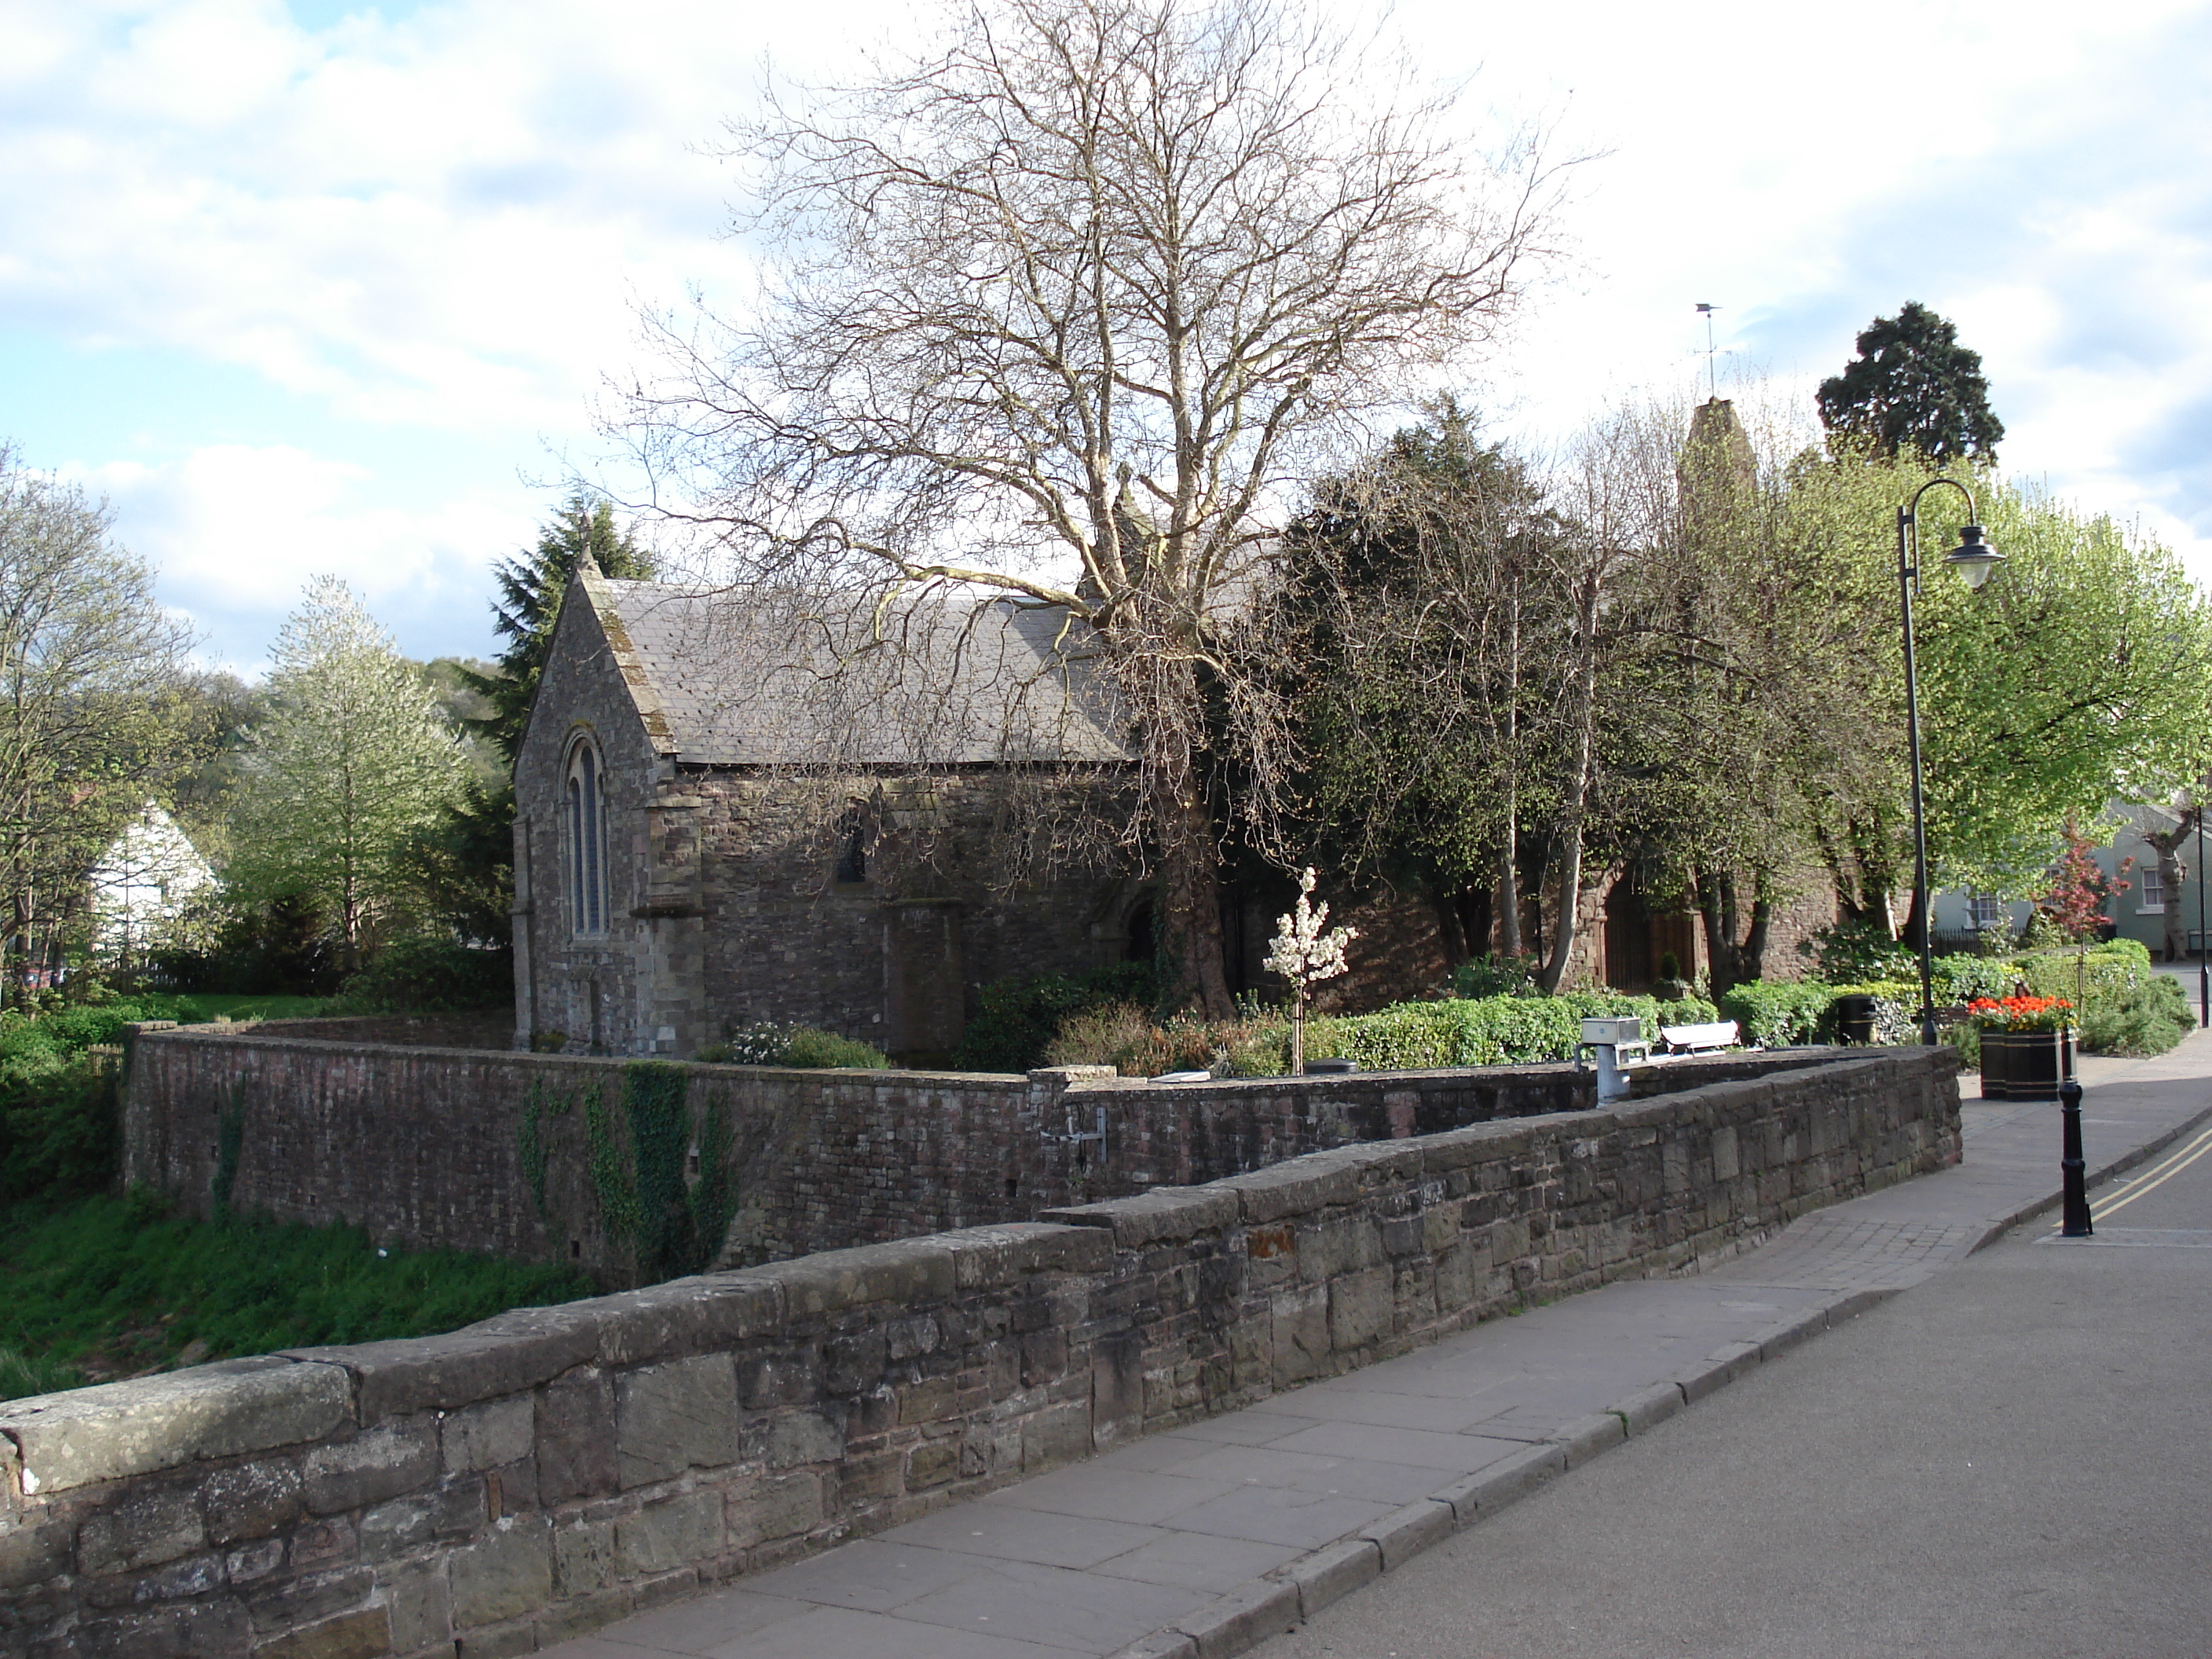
<point>107,1288</point>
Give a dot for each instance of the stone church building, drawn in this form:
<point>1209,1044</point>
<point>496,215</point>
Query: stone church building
<point>726,815</point>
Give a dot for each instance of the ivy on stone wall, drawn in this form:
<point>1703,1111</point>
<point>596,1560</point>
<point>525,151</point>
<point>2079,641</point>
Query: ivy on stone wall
<point>229,1143</point>
<point>530,1139</point>
<point>667,1193</point>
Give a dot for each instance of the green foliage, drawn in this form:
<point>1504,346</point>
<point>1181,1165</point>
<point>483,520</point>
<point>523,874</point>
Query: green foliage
<point>539,1104</point>
<point>768,1043</point>
<point>426,973</point>
<point>2147,1018</point>
<point>1914,386</point>
<point>1778,1013</point>
<point>115,1285</point>
<point>229,1146</point>
<point>356,757</point>
<point>1494,976</point>
<point>1858,951</point>
<point>807,1046</point>
<point>530,589</point>
<point>59,1123</point>
<point>647,1193</point>
<point>1020,1015</point>
<point>1960,978</point>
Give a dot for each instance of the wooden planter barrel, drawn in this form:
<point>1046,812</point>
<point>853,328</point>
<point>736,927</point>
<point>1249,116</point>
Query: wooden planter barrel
<point>2026,1064</point>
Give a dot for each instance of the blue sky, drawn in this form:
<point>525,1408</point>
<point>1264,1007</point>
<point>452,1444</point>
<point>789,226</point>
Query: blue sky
<point>332,287</point>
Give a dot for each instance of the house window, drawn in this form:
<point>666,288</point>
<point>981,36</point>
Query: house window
<point>1984,911</point>
<point>587,844</point>
<point>2150,889</point>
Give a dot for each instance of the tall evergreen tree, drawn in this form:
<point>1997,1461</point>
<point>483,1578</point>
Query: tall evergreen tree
<point>530,588</point>
<point>1913,385</point>
<point>460,866</point>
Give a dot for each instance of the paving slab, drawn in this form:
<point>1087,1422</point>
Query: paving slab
<point>1203,1540</point>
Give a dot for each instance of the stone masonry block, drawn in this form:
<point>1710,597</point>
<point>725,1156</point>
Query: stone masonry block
<point>1302,1186</point>
<point>421,1607</point>
<point>707,1313</point>
<point>251,1500</point>
<point>909,1273</point>
<point>145,1529</point>
<point>576,1438</point>
<point>297,1601</point>
<point>987,1257</point>
<point>1165,1215</point>
<point>790,1438</point>
<point>760,1511</point>
<point>1057,1434</point>
<point>1298,1321</point>
<point>448,1373</point>
<point>583,1557</point>
<point>662,1537</point>
<point>672,1417</point>
<point>365,1633</point>
<point>34,1551</point>
<point>123,1429</point>
<point>1359,1309</point>
<point>489,1435</point>
<point>385,1462</point>
<point>505,1574</point>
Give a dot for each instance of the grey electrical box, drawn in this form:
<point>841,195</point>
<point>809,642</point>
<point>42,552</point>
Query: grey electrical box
<point>1615,1031</point>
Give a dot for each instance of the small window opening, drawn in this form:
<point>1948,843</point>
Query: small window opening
<point>587,844</point>
<point>575,1250</point>
<point>852,849</point>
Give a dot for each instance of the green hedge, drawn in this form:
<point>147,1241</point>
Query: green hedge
<point>1778,1013</point>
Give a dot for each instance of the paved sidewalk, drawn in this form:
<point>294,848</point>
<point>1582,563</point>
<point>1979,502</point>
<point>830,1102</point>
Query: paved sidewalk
<point>1200,1542</point>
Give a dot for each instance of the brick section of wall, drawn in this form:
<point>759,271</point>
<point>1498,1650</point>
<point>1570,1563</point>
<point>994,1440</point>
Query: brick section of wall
<point>423,1147</point>
<point>554,1469</point>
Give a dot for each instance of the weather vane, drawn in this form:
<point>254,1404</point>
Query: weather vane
<point>1712,380</point>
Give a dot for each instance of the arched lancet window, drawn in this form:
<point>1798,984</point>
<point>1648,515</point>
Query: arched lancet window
<point>587,842</point>
<point>852,848</point>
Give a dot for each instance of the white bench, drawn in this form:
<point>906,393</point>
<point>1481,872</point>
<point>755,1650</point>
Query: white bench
<point>1700,1039</point>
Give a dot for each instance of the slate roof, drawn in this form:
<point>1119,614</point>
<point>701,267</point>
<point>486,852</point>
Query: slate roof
<point>726,678</point>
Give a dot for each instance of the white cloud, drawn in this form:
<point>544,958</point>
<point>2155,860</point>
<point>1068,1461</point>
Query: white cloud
<point>236,533</point>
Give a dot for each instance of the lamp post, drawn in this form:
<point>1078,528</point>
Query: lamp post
<point>2203,944</point>
<point>1973,559</point>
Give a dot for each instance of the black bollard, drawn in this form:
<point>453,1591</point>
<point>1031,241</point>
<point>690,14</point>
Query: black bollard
<point>2074,1194</point>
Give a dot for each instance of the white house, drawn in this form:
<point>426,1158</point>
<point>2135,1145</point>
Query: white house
<point>142,881</point>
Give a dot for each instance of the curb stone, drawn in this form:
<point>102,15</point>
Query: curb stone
<point>1302,1588</point>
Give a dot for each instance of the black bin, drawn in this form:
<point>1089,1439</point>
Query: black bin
<point>1855,1019</point>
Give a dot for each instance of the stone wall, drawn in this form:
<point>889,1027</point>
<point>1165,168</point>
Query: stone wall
<point>554,1469</point>
<point>492,1150</point>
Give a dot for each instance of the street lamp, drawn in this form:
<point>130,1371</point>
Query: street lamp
<point>1974,559</point>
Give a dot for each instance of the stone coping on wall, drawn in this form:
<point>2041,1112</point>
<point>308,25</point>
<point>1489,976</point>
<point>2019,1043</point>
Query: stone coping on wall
<point>553,1470</point>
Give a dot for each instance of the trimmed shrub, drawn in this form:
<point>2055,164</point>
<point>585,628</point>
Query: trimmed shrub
<point>1778,1013</point>
<point>1019,1017</point>
<point>770,1044</point>
<point>2146,1018</point>
<point>428,975</point>
<point>810,1048</point>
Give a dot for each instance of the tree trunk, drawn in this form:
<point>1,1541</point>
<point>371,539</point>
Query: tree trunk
<point>1567,904</point>
<point>1736,952</point>
<point>1915,924</point>
<point>1190,902</point>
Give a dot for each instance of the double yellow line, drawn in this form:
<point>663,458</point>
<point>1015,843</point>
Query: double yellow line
<point>2119,1197</point>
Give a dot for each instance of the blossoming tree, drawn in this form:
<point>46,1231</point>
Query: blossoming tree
<point>1304,956</point>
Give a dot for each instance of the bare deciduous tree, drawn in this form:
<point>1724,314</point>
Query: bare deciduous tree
<point>1060,311</point>
<point>90,702</point>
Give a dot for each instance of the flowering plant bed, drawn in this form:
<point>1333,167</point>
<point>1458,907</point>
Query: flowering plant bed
<point>2021,1014</point>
